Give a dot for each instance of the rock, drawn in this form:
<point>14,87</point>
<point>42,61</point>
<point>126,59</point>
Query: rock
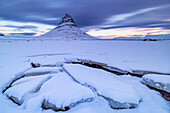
<point>35,65</point>
<point>95,64</point>
<point>67,20</point>
<point>119,105</point>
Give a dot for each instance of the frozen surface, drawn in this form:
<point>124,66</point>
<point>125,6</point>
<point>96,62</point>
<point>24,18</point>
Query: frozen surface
<point>161,82</point>
<point>62,91</point>
<point>16,55</point>
<point>24,86</point>
<point>105,83</point>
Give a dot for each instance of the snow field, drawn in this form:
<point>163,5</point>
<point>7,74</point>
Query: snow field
<point>151,56</point>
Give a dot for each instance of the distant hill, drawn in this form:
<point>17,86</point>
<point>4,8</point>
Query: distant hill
<point>2,34</point>
<point>146,38</point>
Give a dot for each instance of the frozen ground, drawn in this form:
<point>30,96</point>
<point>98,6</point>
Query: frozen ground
<point>16,56</point>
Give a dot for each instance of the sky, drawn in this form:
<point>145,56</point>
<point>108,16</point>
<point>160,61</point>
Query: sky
<point>99,18</point>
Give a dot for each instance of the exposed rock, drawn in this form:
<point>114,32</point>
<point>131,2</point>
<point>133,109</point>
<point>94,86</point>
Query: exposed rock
<point>16,99</point>
<point>119,105</point>
<point>35,65</point>
<point>95,64</point>
<point>48,105</point>
<point>67,20</point>
<point>164,94</point>
<point>140,73</point>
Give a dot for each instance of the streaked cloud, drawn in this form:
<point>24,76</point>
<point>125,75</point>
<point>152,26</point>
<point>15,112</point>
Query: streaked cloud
<point>120,17</point>
<point>40,16</point>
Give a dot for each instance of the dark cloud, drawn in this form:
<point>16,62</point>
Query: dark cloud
<point>85,12</point>
<point>21,27</point>
<point>22,34</point>
<point>163,24</point>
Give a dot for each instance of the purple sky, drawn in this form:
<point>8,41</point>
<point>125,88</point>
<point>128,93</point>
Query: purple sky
<point>101,18</point>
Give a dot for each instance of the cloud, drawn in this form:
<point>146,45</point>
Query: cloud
<point>21,27</point>
<point>163,24</point>
<point>120,17</point>
<point>86,13</point>
<point>22,34</point>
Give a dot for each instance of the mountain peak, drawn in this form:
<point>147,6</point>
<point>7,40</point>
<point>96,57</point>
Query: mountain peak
<point>67,30</point>
<point>67,20</point>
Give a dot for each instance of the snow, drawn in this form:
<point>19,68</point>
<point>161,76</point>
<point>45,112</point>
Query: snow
<point>161,82</point>
<point>105,83</point>
<point>22,87</point>
<point>67,33</point>
<point>62,91</point>
<point>42,70</point>
<point>158,78</point>
<point>137,55</point>
<point>67,30</point>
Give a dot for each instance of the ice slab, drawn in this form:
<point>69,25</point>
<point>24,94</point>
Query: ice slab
<point>118,94</point>
<point>157,81</point>
<point>62,93</point>
<point>25,86</point>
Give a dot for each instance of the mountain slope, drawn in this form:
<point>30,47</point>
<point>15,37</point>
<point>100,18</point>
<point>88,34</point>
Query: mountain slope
<point>67,30</point>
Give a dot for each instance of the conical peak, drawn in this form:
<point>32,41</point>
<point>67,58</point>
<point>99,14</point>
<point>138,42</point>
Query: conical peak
<point>67,20</point>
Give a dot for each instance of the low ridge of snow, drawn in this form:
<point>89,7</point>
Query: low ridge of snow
<point>42,70</point>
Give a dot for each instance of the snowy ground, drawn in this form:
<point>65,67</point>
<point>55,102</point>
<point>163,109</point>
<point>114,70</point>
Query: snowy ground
<point>16,56</point>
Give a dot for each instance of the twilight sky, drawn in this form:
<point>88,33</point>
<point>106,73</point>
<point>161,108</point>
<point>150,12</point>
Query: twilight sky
<point>100,18</point>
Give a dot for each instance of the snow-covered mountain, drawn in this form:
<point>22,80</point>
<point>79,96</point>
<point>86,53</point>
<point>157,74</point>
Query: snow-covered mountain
<point>1,34</point>
<point>67,30</point>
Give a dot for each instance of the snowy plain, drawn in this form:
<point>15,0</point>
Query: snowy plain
<point>16,56</point>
